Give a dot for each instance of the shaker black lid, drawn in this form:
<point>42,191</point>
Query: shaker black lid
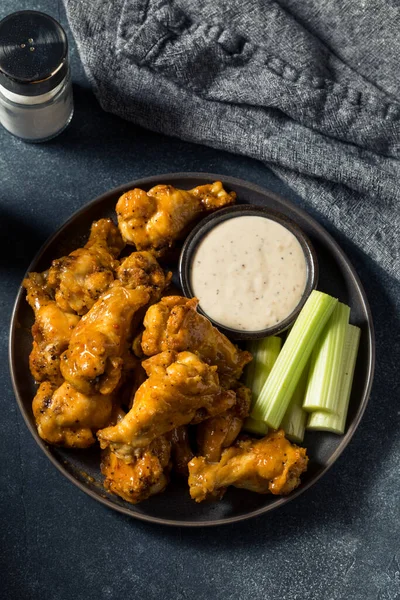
<point>33,53</point>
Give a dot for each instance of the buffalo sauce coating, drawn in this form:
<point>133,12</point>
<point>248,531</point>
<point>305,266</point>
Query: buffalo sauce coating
<point>249,273</point>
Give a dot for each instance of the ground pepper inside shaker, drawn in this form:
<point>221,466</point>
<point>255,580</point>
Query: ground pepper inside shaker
<point>36,101</point>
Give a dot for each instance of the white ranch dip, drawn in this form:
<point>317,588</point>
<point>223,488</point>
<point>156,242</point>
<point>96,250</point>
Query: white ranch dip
<point>248,273</point>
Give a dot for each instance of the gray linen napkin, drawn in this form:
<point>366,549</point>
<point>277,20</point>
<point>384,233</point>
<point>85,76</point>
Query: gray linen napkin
<point>311,88</point>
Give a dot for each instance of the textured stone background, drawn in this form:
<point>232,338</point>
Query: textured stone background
<point>340,540</point>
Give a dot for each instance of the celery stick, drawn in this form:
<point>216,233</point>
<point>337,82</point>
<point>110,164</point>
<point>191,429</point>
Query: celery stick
<point>265,352</point>
<point>323,421</point>
<point>294,420</point>
<point>277,391</point>
<point>326,361</point>
<point>257,427</point>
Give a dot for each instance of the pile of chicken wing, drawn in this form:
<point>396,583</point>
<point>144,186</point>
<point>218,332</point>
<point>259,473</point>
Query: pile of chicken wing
<point>120,358</point>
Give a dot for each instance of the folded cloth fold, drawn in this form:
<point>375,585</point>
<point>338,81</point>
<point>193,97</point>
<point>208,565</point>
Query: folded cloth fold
<point>311,88</point>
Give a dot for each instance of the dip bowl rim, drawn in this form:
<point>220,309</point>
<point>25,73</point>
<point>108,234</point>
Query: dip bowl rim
<point>198,233</point>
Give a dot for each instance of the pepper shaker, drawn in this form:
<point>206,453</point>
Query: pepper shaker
<point>36,101</point>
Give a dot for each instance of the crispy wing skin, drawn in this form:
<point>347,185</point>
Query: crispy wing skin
<point>145,476</point>
<point>221,431</point>
<point>178,386</point>
<point>94,360</point>
<point>156,219</point>
<point>269,465</point>
<point>81,277</point>
<point>105,234</point>
<point>174,324</point>
<point>65,417</point>
<point>181,451</point>
<point>51,331</point>
<point>141,269</point>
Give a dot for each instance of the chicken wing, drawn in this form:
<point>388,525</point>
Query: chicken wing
<point>181,450</point>
<point>174,324</point>
<point>145,476</point>
<point>99,344</point>
<point>81,277</point>
<point>221,431</point>
<point>178,386</point>
<point>271,464</point>
<point>51,331</point>
<point>141,269</point>
<point>66,417</point>
<point>156,219</point>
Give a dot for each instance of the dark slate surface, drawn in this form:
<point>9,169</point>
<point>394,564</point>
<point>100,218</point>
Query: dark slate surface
<point>340,540</point>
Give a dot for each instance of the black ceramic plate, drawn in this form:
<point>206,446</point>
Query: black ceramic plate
<point>174,506</point>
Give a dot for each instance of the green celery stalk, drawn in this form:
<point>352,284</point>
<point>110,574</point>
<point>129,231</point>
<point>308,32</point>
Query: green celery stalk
<point>277,391</point>
<point>257,427</point>
<point>326,361</point>
<point>265,352</point>
<point>294,420</point>
<point>323,421</point>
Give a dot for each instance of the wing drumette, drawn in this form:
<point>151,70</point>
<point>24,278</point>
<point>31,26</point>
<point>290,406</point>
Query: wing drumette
<point>269,465</point>
<point>181,388</point>
<point>154,220</point>
<point>51,331</point>
<point>81,277</point>
<point>174,324</point>
<point>221,431</point>
<point>94,360</point>
<point>146,475</point>
<point>65,417</point>
<point>141,269</point>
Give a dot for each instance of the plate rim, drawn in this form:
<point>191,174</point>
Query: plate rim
<point>227,180</point>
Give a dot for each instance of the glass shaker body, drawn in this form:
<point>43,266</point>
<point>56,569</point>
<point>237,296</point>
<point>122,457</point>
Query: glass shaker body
<point>36,101</point>
<point>37,118</point>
